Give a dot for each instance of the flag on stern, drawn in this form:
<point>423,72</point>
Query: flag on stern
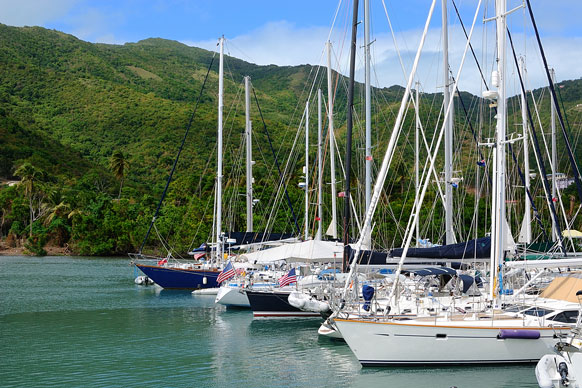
<point>226,273</point>
<point>288,278</point>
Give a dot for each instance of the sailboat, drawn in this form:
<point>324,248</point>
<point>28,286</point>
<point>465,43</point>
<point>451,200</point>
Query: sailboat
<point>453,336</point>
<point>200,274</point>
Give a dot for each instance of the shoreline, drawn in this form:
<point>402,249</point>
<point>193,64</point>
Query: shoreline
<point>21,251</point>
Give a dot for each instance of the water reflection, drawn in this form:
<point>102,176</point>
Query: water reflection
<point>70,322</point>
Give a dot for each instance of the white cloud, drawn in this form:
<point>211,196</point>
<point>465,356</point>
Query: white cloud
<point>282,43</point>
<point>33,12</point>
<point>95,26</point>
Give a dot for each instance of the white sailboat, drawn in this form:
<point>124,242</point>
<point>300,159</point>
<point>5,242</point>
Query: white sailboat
<point>450,337</point>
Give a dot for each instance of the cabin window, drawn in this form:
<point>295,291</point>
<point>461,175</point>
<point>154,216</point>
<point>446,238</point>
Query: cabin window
<point>513,309</point>
<point>566,317</point>
<point>537,312</point>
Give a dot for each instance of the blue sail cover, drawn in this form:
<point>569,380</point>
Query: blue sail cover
<point>368,294</point>
<point>379,258</point>
<point>257,237</point>
<point>477,248</point>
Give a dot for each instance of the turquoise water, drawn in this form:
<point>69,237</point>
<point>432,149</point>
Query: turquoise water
<point>82,322</point>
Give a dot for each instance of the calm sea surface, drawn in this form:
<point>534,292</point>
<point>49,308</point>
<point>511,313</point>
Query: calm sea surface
<point>82,322</point>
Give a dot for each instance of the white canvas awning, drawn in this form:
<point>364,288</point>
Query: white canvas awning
<point>306,251</point>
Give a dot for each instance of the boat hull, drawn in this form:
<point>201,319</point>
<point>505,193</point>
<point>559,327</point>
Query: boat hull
<point>232,297</point>
<point>180,278</point>
<point>395,343</point>
<point>274,304</point>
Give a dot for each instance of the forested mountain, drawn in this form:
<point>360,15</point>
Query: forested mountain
<point>92,130</point>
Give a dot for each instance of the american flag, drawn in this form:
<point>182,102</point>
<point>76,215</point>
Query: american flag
<point>288,278</point>
<point>226,273</point>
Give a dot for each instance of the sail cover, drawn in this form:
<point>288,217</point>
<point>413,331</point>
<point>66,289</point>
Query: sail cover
<point>477,248</point>
<point>306,251</point>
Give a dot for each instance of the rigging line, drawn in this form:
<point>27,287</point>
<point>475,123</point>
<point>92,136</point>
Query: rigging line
<point>495,109</point>
<point>470,46</point>
<point>277,163</point>
<point>468,121</point>
<point>538,152</point>
<point>573,164</point>
<point>177,156</point>
<point>522,177</point>
<point>564,109</point>
<point>553,171</point>
<point>200,222</point>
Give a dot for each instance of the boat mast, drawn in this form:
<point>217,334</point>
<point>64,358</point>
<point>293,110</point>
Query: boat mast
<point>554,154</point>
<point>219,151</point>
<point>248,133</point>
<point>368,186</point>
<point>416,156</point>
<point>349,123</point>
<point>498,197</point>
<point>449,233</point>
<point>306,170</point>
<point>526,226</point>
<point>333,225</point>
<point>319,168</point>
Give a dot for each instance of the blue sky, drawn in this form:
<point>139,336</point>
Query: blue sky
<point>294,32</point>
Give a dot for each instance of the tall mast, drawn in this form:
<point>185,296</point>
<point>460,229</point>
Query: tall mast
<point>368,236</point>
<point>306,170</point>
<point>349,133</point>
<point>498,197</point>
<point>219,151</point>
<point>248,130</point>
<point>554,154</point>
<point>449,233</point>
<point>416,156</point>
<point>333,225</point>
<point>526,226</point>
<point>319,167</point>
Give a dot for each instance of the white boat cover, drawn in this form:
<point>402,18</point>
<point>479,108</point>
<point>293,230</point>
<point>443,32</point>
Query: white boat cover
<point>306,251</point>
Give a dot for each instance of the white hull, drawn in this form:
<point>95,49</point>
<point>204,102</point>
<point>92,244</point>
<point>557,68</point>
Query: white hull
<point>417,342</point>
<point>327,330</point>
<point>206,291</point>
<point>232,297</point>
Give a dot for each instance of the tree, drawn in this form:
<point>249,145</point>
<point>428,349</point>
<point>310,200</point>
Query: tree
<point>29,176</point>
<point>119,166</point>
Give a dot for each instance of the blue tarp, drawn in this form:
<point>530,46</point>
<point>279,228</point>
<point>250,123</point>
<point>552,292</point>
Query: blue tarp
<point>468,281</point>
<point>477,248</point>
<point>434,271</point>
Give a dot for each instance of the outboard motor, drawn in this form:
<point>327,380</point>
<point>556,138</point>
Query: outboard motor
<point>563,371</point>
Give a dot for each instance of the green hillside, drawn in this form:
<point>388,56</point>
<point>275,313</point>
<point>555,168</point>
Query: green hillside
<point>67,106</point>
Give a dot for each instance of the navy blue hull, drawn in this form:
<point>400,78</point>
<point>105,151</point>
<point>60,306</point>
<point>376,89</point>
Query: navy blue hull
<point>274,304</point>
<point>179,278</point>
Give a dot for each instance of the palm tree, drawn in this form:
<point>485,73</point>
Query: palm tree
<point>119,166</point>
<point>29,176</point>
<point>59,210</point>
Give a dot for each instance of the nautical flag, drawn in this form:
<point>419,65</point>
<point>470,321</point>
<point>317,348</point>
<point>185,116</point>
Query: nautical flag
<point>226,273</point>
<point>199,255</point>
<point>288,278</point>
